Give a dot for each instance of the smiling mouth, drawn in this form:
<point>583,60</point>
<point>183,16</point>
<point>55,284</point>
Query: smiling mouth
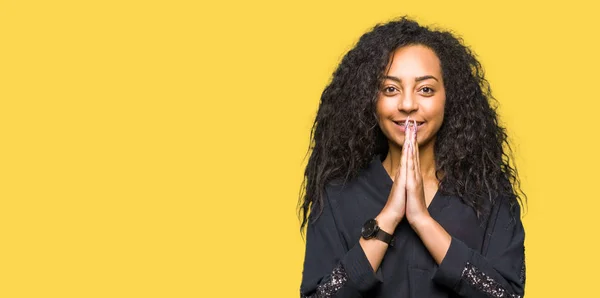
<point>403,128</point>
<point>410,123</point>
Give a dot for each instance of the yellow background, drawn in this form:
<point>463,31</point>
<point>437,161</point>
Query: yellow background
<point>156,148</point>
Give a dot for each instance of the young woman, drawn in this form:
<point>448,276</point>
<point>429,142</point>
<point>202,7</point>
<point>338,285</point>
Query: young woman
<point>408,191</point>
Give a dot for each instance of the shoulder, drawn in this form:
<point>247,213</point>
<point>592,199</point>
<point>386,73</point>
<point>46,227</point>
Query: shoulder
<point>506,212</point>
<point>342,190</point>
<point>334,193</point>
<point>357,196</point>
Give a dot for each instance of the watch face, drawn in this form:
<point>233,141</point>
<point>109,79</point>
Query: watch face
<point>369,229</point>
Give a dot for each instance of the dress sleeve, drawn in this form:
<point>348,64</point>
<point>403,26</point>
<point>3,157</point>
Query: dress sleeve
<point>330,269</point>
<point>499,271</point>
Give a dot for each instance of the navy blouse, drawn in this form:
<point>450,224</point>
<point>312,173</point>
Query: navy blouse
<point>486,257</point>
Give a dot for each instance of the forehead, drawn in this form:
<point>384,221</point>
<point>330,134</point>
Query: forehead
<point>414,61</point>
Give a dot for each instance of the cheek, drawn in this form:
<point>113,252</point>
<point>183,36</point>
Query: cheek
<point>435,112</point>
<point>442,109</point>
<point>380,109</point>
<point>385,107</point>
<point>439,115</point>
<point>437,108</point>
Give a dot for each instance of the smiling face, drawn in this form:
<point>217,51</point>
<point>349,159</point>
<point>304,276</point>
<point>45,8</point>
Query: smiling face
<point>412,86</point>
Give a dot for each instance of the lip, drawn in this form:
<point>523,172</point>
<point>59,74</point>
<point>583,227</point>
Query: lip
<point>401,121</point>
<point>401,126</point>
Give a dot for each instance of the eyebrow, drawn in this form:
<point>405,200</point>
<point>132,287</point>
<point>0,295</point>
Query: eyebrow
<point>417,79</point>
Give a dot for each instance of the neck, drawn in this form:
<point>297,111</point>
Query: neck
<point>426,156</point>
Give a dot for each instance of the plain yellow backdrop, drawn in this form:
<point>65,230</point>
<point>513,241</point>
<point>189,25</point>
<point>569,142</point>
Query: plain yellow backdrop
<point>156,148</point>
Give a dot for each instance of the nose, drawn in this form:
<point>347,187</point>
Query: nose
<point>407,103</point>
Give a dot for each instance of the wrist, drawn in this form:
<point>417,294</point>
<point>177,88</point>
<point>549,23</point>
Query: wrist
<point>421,222</point>
<point>387,222</point>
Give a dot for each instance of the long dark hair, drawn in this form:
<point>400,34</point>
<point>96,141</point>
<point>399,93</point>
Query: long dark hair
<point>471,149</point>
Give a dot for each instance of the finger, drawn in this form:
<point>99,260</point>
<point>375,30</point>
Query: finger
<point>406,146</point>
<point>402,169</point>
<point>410,173</point>
<point>405,149</point>
<point>401,174</point>
<point>415,130</point>
<point>406,132</point>
<point>402,163</point>
<point>417,157</point>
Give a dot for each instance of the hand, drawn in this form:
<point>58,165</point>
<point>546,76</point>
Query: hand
<point>395,208</point>
<point>416,207</point>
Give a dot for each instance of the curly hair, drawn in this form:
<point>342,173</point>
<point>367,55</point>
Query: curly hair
<point>472,152</point>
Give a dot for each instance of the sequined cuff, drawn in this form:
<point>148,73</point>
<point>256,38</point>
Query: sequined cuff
<point>331,284</point>
<point>523,269</point>
<point>484,283</point>
<point>523,273</point>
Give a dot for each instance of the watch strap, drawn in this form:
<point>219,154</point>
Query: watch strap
<point>385,237</point>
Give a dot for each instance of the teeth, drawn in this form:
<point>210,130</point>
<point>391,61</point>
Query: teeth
<point>408,123</point>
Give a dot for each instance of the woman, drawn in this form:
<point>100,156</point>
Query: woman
<point>408,191</point>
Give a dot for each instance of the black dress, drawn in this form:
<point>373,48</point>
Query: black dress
<point>486,257</point>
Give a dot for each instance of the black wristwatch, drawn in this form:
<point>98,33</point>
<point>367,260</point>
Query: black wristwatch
<point>371,230</point>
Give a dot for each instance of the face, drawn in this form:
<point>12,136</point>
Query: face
<point>412,86</point>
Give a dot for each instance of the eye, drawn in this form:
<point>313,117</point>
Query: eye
<point>427,90</point>
<point>390,90</point>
